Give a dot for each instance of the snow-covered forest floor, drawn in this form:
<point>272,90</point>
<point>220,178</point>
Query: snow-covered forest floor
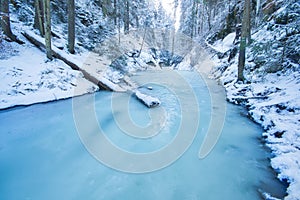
<point>27,77</point>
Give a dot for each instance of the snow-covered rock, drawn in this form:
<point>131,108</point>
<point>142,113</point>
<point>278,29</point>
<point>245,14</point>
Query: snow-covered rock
<point>223,45</point>
<point>149,101</point>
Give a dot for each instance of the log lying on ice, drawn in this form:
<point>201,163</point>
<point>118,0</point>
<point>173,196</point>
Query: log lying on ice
<point>149,101</point>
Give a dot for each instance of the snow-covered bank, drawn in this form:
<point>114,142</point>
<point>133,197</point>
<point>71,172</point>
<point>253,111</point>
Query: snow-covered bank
<point>275,104</point>
<point>271,93</point>
<point>224,45</point>
<point>27,78</point>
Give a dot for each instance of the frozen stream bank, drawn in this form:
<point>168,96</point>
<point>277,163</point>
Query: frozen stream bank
<point>42,157</point>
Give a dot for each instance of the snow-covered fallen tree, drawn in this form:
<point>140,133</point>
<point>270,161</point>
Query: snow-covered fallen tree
<point>39,42</point>
<point>102,82</point>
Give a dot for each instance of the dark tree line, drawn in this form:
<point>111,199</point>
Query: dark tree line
<point>42,22</point>
<point>128,14</point>
<point>121,15</point>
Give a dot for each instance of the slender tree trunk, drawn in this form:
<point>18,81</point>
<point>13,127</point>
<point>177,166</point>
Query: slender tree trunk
<point>209,18</point>
<point>126,21</point>
<point>115,12</point>
<point>257,11</point>
<point>5,19</point>
<point>36,15</point>
<point>193,19</point>
<point>202,19</point>
<point>39,17</point>
<point>47,25</point>
<point>71,26</point>
<point>248,16</point>
<point>244,36</point>
<point>142,45</point>
<point>174,29</point>
<point>196,18</point>
<point>137,22</point>
<point>242,58</point>
<point>119,23</point>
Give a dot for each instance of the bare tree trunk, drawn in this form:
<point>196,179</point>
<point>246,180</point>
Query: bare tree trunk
<point>119,24</point>
<point>209,18</point>
<point>126,21</point>
<point>36,14</point>
<point>71,26</point>
<point>242,59</point>
<point>137,22</point>
<point>5,19</point>
<point>115,12</point>
<point>142,45</point>
<point>196,18</point>
<point>193,19</point>
<point>174,29</point>
<point>244,36</point>
<point>39,17</point>
<point>248,16</point>
<point>257,12</point>
<point>47,25</point>
<point>202,19</point>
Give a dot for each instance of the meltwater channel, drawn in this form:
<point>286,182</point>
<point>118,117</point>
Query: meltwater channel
<point>42,155</point>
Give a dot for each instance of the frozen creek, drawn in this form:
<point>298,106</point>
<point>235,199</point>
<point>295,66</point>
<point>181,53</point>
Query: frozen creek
<point>42,156</point>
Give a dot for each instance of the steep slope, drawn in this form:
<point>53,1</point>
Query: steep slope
<point>271,92</point>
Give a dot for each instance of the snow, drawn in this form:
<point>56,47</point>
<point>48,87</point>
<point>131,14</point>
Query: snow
<point>94,64</point>
<point>27,81</point>
<point>269,197</point>
<point>148,100</point>
<point>169,7</point>
<point>280,114</point>
<point>223,45</point>
<point>111,85</point>
<point>268,113</point>
<point>273,101</point>
<point>27,77</point>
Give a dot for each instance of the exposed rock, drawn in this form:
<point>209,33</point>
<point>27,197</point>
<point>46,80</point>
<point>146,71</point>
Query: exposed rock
<point>269,8</point>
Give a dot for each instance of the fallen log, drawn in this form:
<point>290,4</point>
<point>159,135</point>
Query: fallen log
<point>38,41</point>
<point>102,83</point>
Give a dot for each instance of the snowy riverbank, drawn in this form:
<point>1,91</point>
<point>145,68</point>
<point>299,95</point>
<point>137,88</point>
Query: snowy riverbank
<point>27,78</point>
<point>273,101</point>
<point>275,104</point>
